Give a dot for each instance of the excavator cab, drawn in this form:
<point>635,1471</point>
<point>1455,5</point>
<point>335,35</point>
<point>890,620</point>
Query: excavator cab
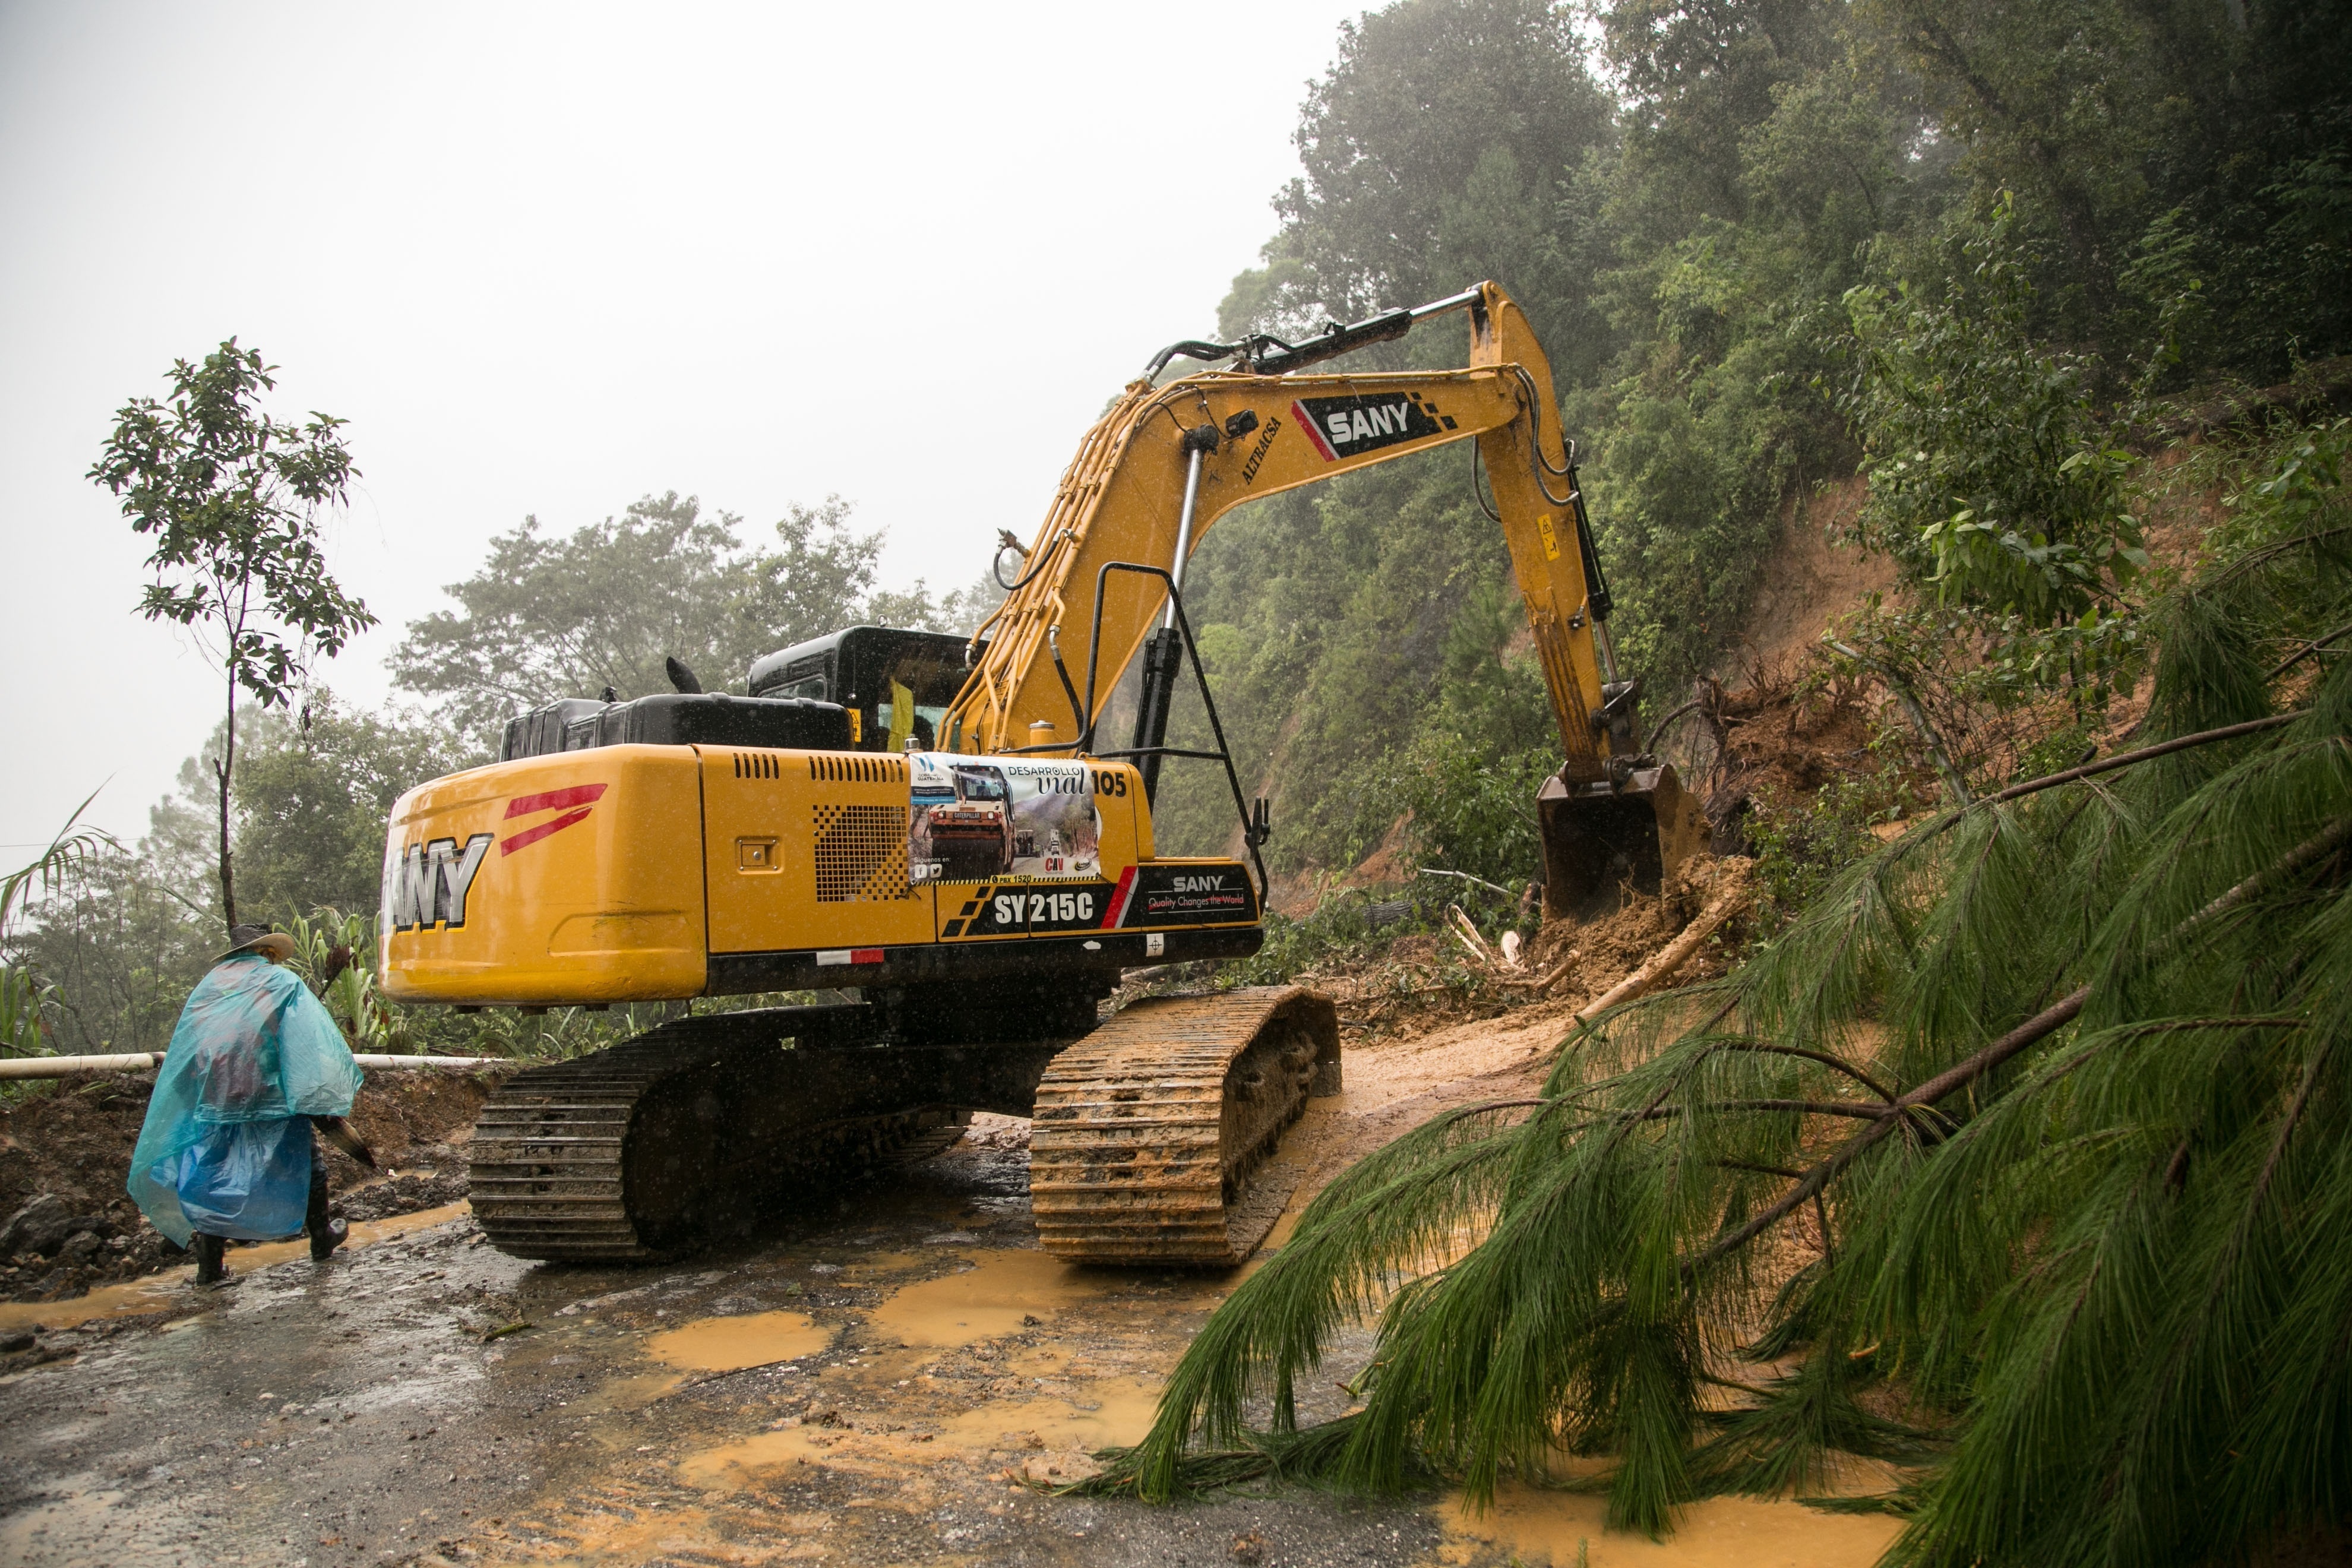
<point>896,684</point>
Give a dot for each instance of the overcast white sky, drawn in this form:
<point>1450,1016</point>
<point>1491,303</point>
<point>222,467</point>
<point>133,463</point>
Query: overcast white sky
<point>548,259</point>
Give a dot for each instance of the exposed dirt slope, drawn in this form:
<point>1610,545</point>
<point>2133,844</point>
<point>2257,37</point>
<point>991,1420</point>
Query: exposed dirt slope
<point>72,1142</point>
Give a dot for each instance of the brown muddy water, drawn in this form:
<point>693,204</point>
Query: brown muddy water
<point>892,1378</point>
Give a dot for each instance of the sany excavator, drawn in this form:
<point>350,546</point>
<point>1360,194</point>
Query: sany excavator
<point>926,830</point>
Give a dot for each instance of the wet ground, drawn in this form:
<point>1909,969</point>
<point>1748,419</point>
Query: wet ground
<point>887,1379</point>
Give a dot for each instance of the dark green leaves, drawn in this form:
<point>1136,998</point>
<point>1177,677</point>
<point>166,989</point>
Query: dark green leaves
<point>230,495</point>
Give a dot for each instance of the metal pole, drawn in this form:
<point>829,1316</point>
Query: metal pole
<point>1184,536</point>
<point>12,1067</point>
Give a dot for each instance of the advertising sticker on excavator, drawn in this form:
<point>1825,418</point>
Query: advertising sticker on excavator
<point>928,824</point>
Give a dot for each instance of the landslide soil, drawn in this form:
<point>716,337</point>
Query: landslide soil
<point>72,1140</point>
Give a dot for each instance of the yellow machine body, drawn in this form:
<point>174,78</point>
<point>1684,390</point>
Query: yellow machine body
<point>638,873</point>
<point>963,880</point>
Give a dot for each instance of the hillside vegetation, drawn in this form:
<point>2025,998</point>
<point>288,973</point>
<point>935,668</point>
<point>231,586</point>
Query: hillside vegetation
<point>1966,246</point>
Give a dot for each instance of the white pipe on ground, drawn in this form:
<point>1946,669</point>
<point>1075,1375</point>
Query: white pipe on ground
<point>141,1061</point>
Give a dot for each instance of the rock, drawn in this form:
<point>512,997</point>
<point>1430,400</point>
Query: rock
<point>40,1226</point>
<point>1249,1548</point>
<point>80,1247</point>
<point>22,1339</point>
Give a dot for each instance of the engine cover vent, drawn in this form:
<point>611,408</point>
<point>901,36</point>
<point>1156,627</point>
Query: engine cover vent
<point>861,854</point>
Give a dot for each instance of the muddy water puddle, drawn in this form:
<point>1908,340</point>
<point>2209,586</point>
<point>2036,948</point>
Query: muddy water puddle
<point>1566,1527</point>
<point>738,1344</point>
<point>1000,1294</point>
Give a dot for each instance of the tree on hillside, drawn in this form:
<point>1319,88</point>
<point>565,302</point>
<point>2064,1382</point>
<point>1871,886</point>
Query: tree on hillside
<point>1434,150</point>
<point>231,496</point>
<point>552,616</point>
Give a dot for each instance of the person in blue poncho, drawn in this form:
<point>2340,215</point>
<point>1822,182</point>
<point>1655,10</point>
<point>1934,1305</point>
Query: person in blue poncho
<point>255,1068</point>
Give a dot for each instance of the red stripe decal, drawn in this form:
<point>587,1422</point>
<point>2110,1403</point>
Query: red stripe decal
<point>530,835</point>
<point>555,799</point>
<point>864,956</point>
<point>1119,898</point>
<point>1313,433</point>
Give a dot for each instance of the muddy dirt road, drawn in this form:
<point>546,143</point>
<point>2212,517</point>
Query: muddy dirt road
<point>871,1383</point>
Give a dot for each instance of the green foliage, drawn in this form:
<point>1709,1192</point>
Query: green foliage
<point>1342,928</point>
<point>2061,1086</point>
<point>2216,133</point>
<point>1800,845</point>
<point>1991,480</point>
<point>22,994</point>
<point>1431,151</point>
<point>1469,773</point>
<point>231,497</point>
<point>2180,212</point>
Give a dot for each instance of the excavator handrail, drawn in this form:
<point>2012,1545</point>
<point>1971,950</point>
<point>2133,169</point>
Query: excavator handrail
<point>1252,829</point>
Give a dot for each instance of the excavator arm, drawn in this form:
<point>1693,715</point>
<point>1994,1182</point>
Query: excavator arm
<point>1166,461</point>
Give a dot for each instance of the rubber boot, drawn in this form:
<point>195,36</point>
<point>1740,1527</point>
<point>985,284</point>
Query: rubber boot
<point>326,1233</point>
<point>324,1240</point>
<point>210,1269</point>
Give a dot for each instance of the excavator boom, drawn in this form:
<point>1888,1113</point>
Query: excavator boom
<point>1168,460</point>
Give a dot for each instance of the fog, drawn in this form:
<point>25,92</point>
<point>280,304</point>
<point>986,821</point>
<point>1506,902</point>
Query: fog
<point>546,259</point>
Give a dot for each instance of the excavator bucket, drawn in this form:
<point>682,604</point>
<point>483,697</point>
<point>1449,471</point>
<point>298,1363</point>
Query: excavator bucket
<point>1600,839</point>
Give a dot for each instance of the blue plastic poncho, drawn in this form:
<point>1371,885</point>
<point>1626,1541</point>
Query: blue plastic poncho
<point>226,1144</point>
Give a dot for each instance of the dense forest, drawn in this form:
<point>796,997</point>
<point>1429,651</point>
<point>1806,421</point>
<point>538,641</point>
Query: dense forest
<point>1767,245</point>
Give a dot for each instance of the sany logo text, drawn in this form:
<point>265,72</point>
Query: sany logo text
<point>1349,426</point>
<point>426,885</point>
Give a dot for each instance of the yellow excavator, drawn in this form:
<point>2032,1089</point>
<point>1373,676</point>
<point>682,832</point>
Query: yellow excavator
<point>926,830</point>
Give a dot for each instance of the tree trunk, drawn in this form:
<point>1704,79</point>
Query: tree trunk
<point>220,773</point>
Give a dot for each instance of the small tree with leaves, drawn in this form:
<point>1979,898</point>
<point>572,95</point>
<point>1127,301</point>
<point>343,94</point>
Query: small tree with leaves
<point>231,497</point>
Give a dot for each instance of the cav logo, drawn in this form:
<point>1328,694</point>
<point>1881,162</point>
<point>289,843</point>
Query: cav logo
<point>426,885</point>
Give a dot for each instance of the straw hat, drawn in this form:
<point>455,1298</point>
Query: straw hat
<point>277,946</point>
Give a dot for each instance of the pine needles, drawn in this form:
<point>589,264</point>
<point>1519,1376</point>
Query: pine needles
<point>2061,1084</point>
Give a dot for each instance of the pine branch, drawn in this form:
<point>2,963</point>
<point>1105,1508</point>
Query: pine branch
<point>2313,647</point>
<point>1763,1048</point>
<point>2038,1027</point>
<point>2145,754</point>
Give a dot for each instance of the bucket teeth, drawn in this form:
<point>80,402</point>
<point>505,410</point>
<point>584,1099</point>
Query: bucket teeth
<point>1153,1137</point>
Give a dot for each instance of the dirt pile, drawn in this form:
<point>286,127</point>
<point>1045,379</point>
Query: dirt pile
<point>66,1224</point>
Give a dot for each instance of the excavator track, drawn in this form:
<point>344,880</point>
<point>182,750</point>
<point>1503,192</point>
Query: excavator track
<point>643,1149</point>
<point>1153,1136</point>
